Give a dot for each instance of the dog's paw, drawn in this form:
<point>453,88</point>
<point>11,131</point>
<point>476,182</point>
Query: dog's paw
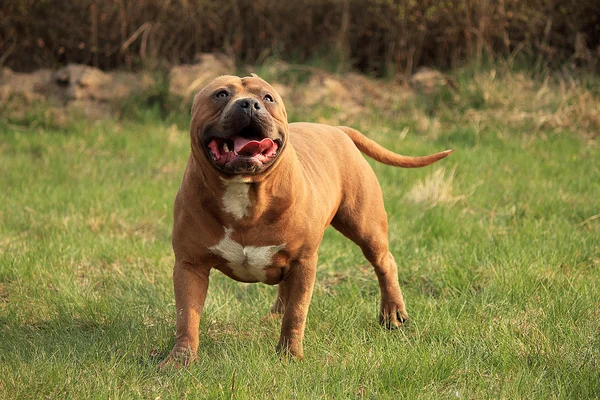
<point>393,316</point>
<point>179,357</point>
<point>290,349</point>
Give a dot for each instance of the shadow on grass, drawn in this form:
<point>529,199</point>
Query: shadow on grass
<point>79,339</point>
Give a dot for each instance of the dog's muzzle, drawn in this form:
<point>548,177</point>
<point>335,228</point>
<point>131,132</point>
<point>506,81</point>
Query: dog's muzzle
<point>245,142</point>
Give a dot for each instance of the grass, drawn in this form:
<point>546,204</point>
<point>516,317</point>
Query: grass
<point>497,248</point>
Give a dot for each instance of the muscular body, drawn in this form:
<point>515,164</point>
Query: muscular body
<point>256,197</point>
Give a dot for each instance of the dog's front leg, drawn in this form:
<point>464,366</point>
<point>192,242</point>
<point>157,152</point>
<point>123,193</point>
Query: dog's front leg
<point>299,285</point>
<point>191,284</point>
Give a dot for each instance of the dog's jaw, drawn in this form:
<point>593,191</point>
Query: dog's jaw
<point>241,155</point>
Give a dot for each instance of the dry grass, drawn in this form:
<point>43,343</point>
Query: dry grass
<point>516,99</point>
<point>435,190</point>
<point>379,36</point>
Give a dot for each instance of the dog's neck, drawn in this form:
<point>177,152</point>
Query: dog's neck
<point>244,200</point>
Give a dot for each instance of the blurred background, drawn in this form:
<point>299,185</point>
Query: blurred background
<point>113,57</point>
<point>378,37</point>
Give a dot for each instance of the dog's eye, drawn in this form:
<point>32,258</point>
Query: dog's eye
<point>268,98</point>
<point>221,94</point>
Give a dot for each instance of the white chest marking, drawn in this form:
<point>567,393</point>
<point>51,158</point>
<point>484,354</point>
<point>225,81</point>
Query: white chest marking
<point>236,199</point>
<point>247,262</point>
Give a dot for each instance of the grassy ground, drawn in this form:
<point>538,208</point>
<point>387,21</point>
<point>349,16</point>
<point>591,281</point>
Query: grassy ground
<point>497,248</point>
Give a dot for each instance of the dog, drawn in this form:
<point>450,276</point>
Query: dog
<point>256,197</point>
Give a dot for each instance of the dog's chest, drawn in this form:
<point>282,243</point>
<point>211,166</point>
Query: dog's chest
<point>236,199</point>
<point>246,262</point>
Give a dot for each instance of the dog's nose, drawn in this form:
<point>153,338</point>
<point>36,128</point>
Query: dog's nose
<point>249,105</point>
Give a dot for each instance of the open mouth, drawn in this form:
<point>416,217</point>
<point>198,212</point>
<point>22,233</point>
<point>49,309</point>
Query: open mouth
<point>242,154</point>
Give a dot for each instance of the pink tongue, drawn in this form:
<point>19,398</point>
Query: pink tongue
<point>247,146</point>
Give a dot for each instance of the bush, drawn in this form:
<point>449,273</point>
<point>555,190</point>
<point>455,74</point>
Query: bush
<point>381,36</point>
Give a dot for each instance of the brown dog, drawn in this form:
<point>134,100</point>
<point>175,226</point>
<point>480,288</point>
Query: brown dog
<point>256,197</point>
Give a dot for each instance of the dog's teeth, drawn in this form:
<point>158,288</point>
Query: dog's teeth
<point>225,148</point>
<point>236,153</point>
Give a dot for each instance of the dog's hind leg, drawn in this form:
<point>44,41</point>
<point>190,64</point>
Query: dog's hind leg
<point>278,306</point>
<point>365,223</point>
<point>392,313</point>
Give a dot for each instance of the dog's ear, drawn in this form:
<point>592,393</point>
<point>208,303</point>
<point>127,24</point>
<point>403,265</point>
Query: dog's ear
<point>255,76</point>
<point>195,104</point>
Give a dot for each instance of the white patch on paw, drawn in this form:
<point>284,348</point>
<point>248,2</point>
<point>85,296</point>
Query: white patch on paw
<point>247,262</point>
<point>236,199</point>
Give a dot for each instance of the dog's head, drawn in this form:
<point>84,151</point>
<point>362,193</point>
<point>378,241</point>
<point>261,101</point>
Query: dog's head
<point>239,125</point>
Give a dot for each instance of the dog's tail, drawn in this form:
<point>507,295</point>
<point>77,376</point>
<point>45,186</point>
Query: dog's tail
<point>385,156</point>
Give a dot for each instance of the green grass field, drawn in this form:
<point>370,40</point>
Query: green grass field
<point>498,249</point>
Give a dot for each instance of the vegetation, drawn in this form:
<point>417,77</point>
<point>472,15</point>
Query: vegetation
<point>497,248</point>
<point>380,36</point>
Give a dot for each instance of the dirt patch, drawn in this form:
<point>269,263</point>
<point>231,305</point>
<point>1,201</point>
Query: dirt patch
<point>94,93</point>
<point>187,79</point>
<point>75,87</point>
<point>31,86</point>
<point>429,80</point>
